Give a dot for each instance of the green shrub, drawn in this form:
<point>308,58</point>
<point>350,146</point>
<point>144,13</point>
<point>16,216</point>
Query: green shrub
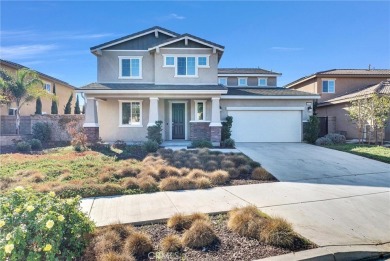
<point>41,226</point>
<point>35,144</point>
<point>228,143</point>
<point>201,144</point>
<point>23,146</point>
<point>38,106</point>
<point>226,131</point>
<point>151,146</point>
<point>41,131</point>
<point>119,144</point>
<point>311,130</point>
<point>154,132</point>
<point>323,141</point>
<point>336,138</point>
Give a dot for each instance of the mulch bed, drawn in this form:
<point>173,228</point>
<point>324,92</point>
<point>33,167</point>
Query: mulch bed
<point>231,246</point>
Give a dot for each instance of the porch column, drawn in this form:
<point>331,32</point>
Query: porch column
<point>153,111</point>
<point>215,125</point>
<point>91,123</point>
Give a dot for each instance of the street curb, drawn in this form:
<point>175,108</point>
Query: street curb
<point>337,253</point>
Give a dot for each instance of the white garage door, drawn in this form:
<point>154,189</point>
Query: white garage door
<point>266,125</point>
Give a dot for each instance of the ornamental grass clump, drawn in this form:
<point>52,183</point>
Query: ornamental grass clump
<point>41,226</point>
<point>180,222</point>
<point>171,243</point>
<point>200,234</point>
<point>246,221</point>
<point>138,244</point>
<point>277,232</point>
<point>260,173</point>
<point>219,177</point>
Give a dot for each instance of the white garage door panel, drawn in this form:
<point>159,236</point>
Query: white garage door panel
<point>266,126</point>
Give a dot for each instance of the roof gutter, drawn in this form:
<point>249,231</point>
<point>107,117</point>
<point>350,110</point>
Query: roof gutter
<point>274,97</point>
<point>153,92</point>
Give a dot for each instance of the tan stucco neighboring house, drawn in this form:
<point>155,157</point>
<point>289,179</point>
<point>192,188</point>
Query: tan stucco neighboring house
<point>63,92</point>
<point>157,74</point>
<point>338,87</point>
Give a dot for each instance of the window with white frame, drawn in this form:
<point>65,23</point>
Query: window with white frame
<point>242,82</point>
<point>200,110</point>
<point>222,81</point>
<point>130,113</point>
<point>169,61</point>
<point>328,86</point>
<point>186,66</point>
<point>47,87</point>
<point>262,82</point>
<point>130,67</point>
<point>203,61</point>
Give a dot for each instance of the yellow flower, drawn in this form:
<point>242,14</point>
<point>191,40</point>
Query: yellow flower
<point>47,248</point>
<point>17,210</point>
<point>52,194</point>
<point>61,218</point>
<point>6,205</point>
<point>49,224</point>
<point>19,188</point>
<point>2,223</point>
<point>69,201</point>
<point>8,236</point>
<point>30,208</point>
<point>8,248</point>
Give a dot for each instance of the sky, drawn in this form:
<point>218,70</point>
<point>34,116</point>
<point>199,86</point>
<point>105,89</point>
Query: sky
<point>292,38</point>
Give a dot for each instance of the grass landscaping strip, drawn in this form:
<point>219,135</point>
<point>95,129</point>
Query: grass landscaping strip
<point>379,153</point>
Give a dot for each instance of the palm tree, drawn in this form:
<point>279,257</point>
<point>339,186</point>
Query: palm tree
<point>23,87</point>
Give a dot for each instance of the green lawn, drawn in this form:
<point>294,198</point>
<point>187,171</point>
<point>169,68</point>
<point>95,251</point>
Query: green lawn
<point>369,151</point>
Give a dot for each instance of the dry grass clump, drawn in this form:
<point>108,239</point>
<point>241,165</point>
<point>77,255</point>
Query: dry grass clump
<point>37,177</point>
<point>211,165</point>
<point>187,183</point>
<point>277,232</point>
<point>219,177</point>
<point>239,160</point>
<point>227,164</point>
<point>170,184</point>
<point>107,242</point>
<point>130,183</point>
<point>104,177</point>
<point>65,176</point>
<point>260,173</point>
<point>25,172</point>
<point>202,183</point>
<point>233,173</point>
<point>168,171</point>
<point>199,235</point>
<point>171,243</point>
<point>147,184</point>
<point>138,244</point>
<point>184,171</point>
<point>127,172</point>
<point>196,173</point>
<point>149,171</point>
<point>114,256</point>
<point>179,222</point>
<point>122,230</point>
<point>244,170</point>
<point>246,221</point>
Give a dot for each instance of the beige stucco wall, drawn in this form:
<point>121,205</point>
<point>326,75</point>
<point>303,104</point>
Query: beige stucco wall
<point>63,92</point>
<point>252,81</point>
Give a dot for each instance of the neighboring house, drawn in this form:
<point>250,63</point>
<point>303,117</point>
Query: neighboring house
<point>338,88</point>
<point>63,91</point>
<point>157,74</point>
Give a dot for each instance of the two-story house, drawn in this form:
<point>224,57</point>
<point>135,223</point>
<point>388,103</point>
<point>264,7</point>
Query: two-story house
<point>62,90</point>
<point>157,74</point>
<point>338,87</point>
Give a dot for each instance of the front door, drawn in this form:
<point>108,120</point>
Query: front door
<point>178,120</point>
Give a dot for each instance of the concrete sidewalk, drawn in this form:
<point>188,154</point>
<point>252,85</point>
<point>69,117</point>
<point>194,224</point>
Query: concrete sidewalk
<point>325,214</point>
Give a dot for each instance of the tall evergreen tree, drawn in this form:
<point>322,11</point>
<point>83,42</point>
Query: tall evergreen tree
<point>68,106</point>
<point>54,105</point>
<point>38,106</point>
<point>83,110</point>
<point>77,106</point>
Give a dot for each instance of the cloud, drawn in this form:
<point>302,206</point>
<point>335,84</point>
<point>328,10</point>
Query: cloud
<point>171,16</point>
<point>286,49</point>
<point>25,51</point>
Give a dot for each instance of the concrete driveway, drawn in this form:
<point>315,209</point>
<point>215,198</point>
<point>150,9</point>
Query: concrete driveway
<point>331,197</point>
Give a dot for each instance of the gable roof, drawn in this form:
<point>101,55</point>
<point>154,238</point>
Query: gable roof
<point>382,88</point>
<point>18,66</point>
<point>268,91</point>
<point>345,72</point>
<point>134,35</point>
<point>254,71</point>
<point>190,37</point>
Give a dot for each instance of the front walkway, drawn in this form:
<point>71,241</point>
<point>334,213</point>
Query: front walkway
<point>330,209</point>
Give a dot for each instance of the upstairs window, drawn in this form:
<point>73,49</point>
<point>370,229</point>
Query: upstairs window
<point>203,61</point>
<point>131,113</point>
<point>262,82</point>
<point>242,82</point>
<point>47,87</point>
<point>169,61</point>
<point>222,81</point>
<point>186,66</point>
<point>328,86</point>
<point>130,67</point>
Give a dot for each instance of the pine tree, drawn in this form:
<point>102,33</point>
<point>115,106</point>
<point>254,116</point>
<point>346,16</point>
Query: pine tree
<point>54,106</point>
<point>68,106</point>
<point>83,110</point>
<point>38,106</point>
<point>77,106</point>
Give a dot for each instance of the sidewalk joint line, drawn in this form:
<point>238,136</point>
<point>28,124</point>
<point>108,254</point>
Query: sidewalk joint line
<point>330,177</point>
<point>90,210</point>
<point>236,195</point>
<point>165,193</point>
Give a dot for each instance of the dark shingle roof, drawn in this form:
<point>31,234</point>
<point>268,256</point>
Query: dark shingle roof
<point>245,71</point>
<point>349,72</point>
<point>382,88</point>
<point>132,35</point>
<point>19,66</point>
<point>136,86</point>
<point>277,91</point>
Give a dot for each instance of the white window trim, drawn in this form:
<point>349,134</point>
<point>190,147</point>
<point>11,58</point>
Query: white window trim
<point>120,67</point>
<point>240,78</point>
<point>322,85</point>
<point>47,83</point>
<point>165,61</point>
<point>223,78</point>
<point>196,110</point>
<point>262,78</point>
<point>134,125</point>
<point>207,61</point>
<point>177,64</point>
